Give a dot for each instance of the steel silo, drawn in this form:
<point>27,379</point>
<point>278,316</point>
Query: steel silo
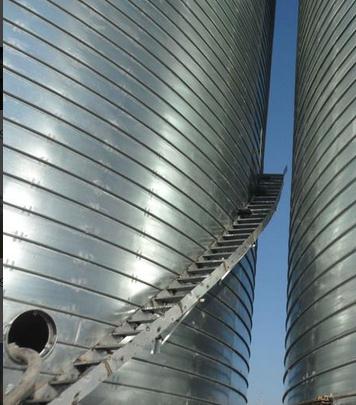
<point>321,312</point>
<point>133,133</point>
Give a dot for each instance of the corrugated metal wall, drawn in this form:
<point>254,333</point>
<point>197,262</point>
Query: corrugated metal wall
<point>132,134</point>
<point>321,323</point>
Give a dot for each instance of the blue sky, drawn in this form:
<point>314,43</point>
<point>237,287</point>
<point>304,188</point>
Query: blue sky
<point>266,387</point>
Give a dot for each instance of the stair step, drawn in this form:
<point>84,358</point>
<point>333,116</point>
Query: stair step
<point>65,379</point>
<point>233,236</point>
<point>227,249</point>
<point>236,236</point>
<point>192,279</point>
<point>181,286</point>
<point>108,347</point>
<point>90,358</point>
<point>270,183</point>
<point>250,220</point>
<point>142,317</point>
<point>266,192</point>
<point>263,202</point>
<point>242,233</point>
<point>169,297</point>
<point>244,222</point>
<point>57,383</point>
<point>269,200</point>
<point>244,212</point>
<point>256,215</point>
<point>243,228</point>
<point>201,270</point>
<point>157,308</point>
<point>237,233</point>
<point>87,363</point>
<point>208,263</point>
<point>260,208</point>
<point>231,242</point>
<point>251,226</point>
<point>217,255</point>
<point>125,331</point>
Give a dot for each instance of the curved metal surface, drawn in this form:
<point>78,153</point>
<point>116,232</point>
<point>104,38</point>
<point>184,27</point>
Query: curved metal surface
<point>132,135</point>
<point>321,311</point>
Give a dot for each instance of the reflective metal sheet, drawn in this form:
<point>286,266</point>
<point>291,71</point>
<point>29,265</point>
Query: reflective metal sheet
<point>321,334</point>
<point>133,133</point>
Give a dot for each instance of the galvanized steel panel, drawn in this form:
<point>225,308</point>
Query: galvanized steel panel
<point>133,132</point>
<point>321,334</point>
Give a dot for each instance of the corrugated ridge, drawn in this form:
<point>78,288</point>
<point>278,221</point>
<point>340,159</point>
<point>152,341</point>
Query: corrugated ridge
<point>133,133</point>
<point>320,340</point>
